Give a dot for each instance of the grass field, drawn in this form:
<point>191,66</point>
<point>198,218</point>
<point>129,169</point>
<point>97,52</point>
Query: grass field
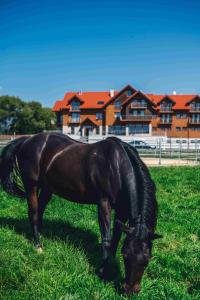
<point>66,268</point>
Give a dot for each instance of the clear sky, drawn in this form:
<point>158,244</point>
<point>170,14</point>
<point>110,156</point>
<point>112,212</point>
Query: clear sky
<point>50,47</point>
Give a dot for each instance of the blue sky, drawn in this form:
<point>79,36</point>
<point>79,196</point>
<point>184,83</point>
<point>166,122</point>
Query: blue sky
<point>50,47</point>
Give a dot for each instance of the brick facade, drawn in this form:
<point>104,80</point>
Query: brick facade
<point>129,112</point>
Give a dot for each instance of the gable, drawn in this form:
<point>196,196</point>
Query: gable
<point>122,95</point>
<point>138,96</point>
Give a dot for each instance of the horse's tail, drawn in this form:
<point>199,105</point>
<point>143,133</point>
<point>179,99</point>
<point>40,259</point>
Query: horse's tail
<point>10,178</point>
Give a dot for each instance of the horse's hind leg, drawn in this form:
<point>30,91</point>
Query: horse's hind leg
<point>33,214</point>
<point>44,198</point>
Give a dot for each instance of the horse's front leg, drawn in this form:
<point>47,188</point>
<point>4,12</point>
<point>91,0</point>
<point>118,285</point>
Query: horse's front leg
<point>104,215</point>
<point>117,231</point>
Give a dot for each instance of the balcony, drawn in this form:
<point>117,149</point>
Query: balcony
<point>165,121</point>
<point>136,118</point>
<point>194,121</point>
<point>166,109</point>
<point>74,120</point>
<point>195,109</point>
<point>139,105</point>
<point>74,108</point>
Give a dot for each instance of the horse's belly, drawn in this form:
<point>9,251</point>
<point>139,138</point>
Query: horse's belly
<point>72,193</point>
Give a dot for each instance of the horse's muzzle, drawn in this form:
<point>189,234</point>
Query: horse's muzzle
<point>130,289</point>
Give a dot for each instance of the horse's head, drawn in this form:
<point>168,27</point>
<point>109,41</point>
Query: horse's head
<point>136,253</point>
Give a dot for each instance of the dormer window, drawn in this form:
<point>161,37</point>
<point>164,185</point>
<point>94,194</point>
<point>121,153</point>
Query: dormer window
<point>75,105</point>
<point>195,105</point>
<point>100,102</point>
<point>166,106</point>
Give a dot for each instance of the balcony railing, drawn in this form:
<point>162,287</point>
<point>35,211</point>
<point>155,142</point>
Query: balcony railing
<point>194,121</point>
<point>194,109</point>
<point>166,109</point>
<point>74,108</point>
<point>74,120</point>
<point>136,118</point>
<point>138,105</point>
<point>165,121</point>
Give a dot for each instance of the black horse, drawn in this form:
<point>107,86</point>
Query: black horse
<point>108,173</point>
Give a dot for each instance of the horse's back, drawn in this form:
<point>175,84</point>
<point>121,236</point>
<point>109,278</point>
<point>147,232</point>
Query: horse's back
<point>85,170</point>
<point>37,151</point>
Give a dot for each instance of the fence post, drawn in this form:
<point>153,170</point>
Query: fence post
<point>180,148</point>
<point>160,152</point>
<point>196,149</point>
<point>170,149</point>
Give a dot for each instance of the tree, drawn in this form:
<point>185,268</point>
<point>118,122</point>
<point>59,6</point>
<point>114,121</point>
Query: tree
<point>24,117</point>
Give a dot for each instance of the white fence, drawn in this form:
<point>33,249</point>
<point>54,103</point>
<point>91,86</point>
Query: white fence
<point>152,147</point>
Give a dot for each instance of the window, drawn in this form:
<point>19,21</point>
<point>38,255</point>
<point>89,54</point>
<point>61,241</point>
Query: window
<point>117,129</point>
<point>165,106</point>
<point>195,118</point>
<point>139,103</point>
<point>100,102</point>
<point>195,105</point>
<point>166,118</point>
<point>138,128</point>
<point>181,116</point>
<point>117,115</point>
<point>129,92</point>
<point>143,102</point>
<point>99,116</point>
<point>178,128</point>
<point>195,128</point>
<point>75,117</point>
<point>117,104</point>
<point>137,112</point>
<point>75,105</point>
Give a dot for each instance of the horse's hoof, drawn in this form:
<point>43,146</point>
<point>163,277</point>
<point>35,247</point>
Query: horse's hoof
<point>39,250</point>
<point>101,272</point>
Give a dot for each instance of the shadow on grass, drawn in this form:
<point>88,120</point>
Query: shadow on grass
<point>83,239</point>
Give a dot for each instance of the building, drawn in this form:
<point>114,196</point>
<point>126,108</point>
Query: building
<point>129,112</point>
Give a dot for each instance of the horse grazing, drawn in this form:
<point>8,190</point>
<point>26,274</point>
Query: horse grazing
<point>108,173</point>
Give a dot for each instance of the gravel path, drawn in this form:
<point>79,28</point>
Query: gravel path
<point>168,162</point>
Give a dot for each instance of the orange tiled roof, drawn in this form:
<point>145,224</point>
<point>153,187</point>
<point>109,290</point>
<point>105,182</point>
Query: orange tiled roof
<point>89,100</point>
<point>181,101</point>
<point>57,106</point>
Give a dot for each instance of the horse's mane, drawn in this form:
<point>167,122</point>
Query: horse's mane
<point>146,220</point>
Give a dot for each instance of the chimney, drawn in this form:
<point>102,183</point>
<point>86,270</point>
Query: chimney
<point>80,92</point>
<point>174,92</point>
<point>112,93</point>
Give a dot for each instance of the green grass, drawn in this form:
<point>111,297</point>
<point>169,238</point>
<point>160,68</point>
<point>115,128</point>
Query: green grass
<point>72,252</point>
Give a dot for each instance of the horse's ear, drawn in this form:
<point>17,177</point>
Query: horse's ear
<point>155,236</point>
<point>123,227</point>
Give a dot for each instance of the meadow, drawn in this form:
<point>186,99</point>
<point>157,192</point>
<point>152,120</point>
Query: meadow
<point>71,240</point>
